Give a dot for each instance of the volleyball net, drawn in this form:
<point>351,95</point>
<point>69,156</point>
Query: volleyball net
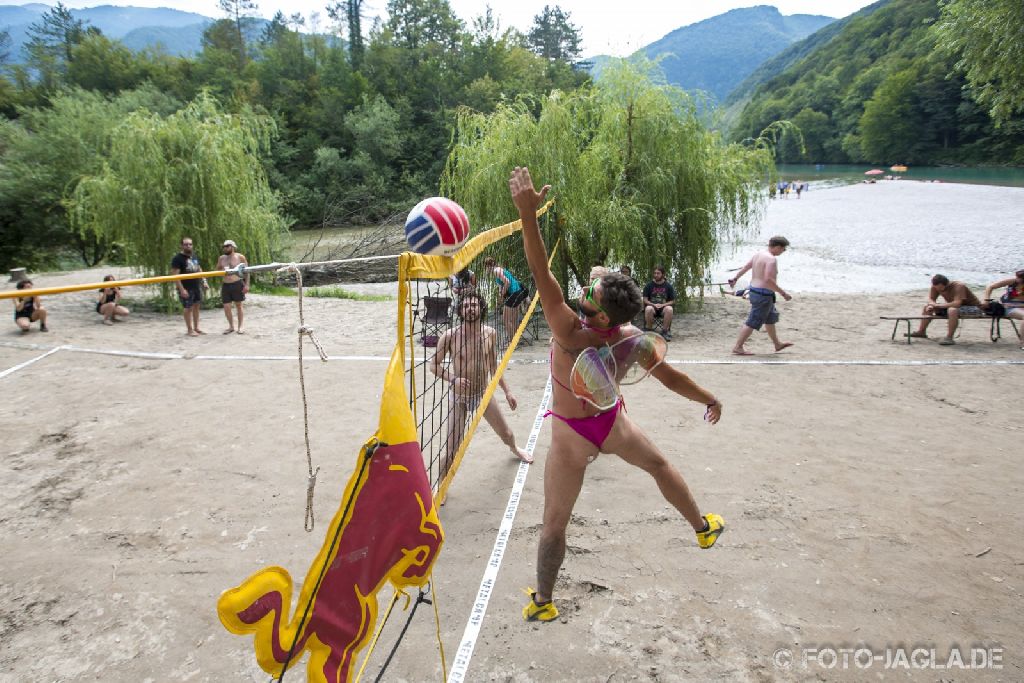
<point>460,320</point>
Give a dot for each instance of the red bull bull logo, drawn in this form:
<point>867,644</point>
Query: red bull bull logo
<point>386,529</point>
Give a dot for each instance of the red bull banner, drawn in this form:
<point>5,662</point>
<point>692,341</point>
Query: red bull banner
<point>386,530</point>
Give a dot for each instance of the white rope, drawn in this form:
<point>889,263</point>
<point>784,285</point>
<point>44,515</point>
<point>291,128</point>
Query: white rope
<point>305,330</point>
<point>513,361</point>
<point>476,616</point>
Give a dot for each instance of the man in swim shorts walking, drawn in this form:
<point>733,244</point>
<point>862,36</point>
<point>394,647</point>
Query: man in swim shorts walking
<point>473,349</point>
<point>580,431</point>
<point>762,290</point>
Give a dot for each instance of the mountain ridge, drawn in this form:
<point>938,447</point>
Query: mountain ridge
<point>714,55</point>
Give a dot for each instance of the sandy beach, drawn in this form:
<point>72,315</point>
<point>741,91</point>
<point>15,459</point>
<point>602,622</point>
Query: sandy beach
<point>872,500</point>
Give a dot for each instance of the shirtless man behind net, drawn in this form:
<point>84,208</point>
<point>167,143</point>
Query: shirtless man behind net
<point>474,358</point>
<point>234,288</point>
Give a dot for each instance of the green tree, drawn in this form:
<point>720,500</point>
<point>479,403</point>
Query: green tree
<point>5,46</point>
<point>51,44</point>
<point>987,36</point>
<point>890,123</point>
<point>416,24</point>
<point>196,173</point>
<point>637,177</point>
<point>553,36</point>
<point>217,67</point>
<point>240,14</point>
<point>350,14</point>
<point>43,155</point>
<point>102,64</point>
<point>815,130</point>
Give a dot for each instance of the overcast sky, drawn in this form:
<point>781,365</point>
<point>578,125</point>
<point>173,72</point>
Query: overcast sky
<point>615,28</point>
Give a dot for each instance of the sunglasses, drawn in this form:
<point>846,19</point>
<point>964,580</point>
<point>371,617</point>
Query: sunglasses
<point>590,297</point>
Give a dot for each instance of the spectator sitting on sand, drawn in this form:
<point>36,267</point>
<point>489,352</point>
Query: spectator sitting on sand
<point>109,303</point>
<point>29,309</point>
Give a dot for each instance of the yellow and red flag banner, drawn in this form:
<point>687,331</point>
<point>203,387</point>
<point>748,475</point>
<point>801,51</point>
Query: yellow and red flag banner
<point>386,529</point>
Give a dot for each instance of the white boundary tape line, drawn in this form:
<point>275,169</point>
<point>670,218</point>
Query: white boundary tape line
<point>483,596</point>
<point>11,371</point>
<point>514,361</point>
<point>846,362</point>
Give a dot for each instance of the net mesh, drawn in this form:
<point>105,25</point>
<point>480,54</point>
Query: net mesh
<point>461,320</point>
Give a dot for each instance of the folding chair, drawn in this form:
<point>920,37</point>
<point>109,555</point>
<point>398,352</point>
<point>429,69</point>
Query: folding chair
<point>435,317</point>
<point>640,321</point>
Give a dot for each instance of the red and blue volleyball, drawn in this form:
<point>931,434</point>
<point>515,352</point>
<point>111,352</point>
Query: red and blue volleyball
<point>436,226</point>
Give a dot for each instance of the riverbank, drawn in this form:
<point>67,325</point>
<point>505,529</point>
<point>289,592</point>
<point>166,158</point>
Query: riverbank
<point>870,505</point>
<point>891,236</point>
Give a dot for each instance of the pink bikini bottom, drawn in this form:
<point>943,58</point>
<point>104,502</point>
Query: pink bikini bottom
<point>594,428</point>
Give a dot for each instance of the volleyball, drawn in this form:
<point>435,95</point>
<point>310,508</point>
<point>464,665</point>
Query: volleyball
<point>436,226</point>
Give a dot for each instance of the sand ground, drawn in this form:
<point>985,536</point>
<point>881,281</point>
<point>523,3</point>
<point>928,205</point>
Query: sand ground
<point>866,505</point>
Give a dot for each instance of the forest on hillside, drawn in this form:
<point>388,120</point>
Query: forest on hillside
<point>339,123</point>
<point>359,123</point>
<point>887,88</point>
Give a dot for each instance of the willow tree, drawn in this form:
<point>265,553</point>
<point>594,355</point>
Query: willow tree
<point>638,179</point>
<point>195,173</point>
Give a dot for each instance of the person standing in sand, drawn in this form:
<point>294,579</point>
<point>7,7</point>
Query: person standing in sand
<point>473,349</point>
<point>190,291</point>
<point>764,273</point>
<point>234,288</point>
<point>581,431</point>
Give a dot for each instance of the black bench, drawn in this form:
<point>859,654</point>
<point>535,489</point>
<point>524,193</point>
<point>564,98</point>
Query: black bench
<point>995,332</point>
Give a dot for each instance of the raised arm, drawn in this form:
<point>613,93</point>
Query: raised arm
<point>560,318</point>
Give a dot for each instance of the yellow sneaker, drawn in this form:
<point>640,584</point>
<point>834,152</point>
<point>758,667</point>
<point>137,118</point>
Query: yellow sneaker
<point>536,612</point>
<point>716,525</point>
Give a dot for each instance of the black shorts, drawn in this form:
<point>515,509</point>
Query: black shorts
<point>517,298</point>
<point>194,298</point>
<point>232,291</point>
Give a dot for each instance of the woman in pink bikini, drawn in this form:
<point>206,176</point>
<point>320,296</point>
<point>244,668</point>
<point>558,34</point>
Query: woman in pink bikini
<point>581,430</point>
